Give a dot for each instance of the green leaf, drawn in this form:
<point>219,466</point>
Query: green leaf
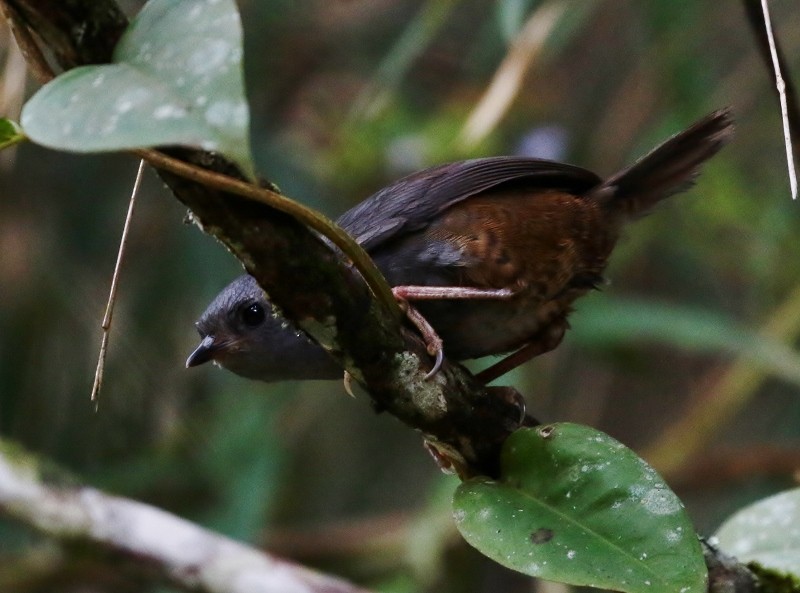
<point>574,505</point>
<point>766,532</point>
<point>10,133</point>
<point>176,78</point>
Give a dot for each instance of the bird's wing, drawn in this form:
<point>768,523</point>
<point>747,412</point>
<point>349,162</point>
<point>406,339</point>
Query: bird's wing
<point>409,204</point>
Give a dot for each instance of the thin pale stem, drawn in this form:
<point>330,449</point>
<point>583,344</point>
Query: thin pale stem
<point>112,293</point>
<point>781,86</point>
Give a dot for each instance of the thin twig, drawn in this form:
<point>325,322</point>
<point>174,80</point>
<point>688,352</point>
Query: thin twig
<point>755,18</point>
<point>112,293</point>
<point>781,86</point>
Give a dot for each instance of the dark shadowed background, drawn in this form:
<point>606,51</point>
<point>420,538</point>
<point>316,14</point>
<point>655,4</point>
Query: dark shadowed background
<point>346,96</point>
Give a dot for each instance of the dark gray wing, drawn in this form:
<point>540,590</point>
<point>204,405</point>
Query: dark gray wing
<point>410,203</point>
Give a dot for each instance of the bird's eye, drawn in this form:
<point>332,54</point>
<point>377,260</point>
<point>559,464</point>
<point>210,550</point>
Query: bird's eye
<point>253,315</point>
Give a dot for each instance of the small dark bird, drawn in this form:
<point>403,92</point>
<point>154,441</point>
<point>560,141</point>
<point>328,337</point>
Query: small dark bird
<point>491,252</point>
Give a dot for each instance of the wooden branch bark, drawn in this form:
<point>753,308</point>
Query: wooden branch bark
<point>161,544</point>
<point>301,275</point>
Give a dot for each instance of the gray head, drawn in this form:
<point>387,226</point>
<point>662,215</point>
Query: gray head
<point>240,333</point>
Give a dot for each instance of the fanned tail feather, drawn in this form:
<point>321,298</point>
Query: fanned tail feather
<point>668,169</point>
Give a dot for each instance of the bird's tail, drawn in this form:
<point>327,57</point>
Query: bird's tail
<point>668,169</point>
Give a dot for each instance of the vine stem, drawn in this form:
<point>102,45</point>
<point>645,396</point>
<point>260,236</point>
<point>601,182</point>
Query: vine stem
<point>309,217</point>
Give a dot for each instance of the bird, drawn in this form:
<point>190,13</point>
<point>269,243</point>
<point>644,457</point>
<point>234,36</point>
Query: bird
<point>488,254</point>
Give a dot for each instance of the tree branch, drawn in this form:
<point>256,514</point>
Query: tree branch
<point>176,550</point>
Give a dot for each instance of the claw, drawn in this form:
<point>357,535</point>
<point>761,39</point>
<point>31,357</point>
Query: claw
<point>436,365</point>
<point>433,343</point>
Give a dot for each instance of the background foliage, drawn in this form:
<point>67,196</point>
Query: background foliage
<point>345,97</point>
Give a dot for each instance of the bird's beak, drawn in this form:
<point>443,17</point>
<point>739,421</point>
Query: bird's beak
<point>204,352</point>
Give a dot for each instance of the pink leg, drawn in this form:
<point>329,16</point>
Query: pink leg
<point>441,293</point>
<point>432,339</point>
<point>429,293</point>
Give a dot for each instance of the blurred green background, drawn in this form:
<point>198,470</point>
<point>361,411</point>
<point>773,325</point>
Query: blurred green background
<point>688,356</point>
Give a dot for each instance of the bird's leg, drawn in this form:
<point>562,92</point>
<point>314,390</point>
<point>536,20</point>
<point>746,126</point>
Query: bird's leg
<point>540,343</point>
<point>443,293</point>
<point>433,342</point>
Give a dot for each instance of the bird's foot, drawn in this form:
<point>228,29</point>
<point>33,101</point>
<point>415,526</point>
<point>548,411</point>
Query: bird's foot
<point>433,343</point>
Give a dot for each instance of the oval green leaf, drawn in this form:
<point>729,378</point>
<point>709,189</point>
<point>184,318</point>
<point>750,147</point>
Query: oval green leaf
<point>766,532</point>
<point>574,505</point>
<point>176,79</point>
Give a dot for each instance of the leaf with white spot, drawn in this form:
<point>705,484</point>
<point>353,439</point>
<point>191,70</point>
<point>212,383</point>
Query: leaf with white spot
<point>574,505</point>
<point>766,532</point>
<point>176,79</point>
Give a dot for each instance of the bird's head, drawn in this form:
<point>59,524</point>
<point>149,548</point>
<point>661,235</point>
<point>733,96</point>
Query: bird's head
<point>240,332</point>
